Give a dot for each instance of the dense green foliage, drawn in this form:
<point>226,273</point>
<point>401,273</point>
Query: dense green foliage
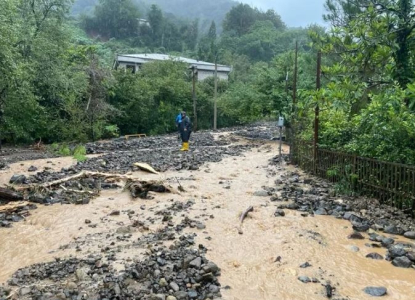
<point>367,101</point>
<point>205,11</point>
<point>58,84</point>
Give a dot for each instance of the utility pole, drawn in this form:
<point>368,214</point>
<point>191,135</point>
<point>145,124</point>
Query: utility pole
<point>317,112</point>
<point>194,71</point>
<point>292,146</point>
<point>215,97</point>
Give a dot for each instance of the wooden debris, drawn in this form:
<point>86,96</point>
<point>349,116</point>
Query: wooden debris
<point>10,195</point>
<point>242,218</point>
<point>145,167</point>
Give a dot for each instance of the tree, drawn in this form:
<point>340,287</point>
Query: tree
<point>372,32</point>
<point>212,34</point>
<point>242,17</point>
<point>114,19</point>
<point>190,34</point>
<point>156,20</point>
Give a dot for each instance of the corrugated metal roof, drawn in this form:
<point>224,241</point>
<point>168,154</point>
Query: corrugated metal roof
<point>144,58</point>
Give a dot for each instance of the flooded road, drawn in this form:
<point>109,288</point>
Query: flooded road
<point>262,263</point>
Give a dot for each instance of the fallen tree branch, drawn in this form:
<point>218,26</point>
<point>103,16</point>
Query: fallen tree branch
<point>181,188</point>
<point>242,218</point>
<point>84,174</point>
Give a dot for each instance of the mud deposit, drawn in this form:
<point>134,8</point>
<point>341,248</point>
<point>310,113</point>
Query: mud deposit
<point>300,242</point>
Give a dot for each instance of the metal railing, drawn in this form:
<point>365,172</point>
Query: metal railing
<point>391,183</point>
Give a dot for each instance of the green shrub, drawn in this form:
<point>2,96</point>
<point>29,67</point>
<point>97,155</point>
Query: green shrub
<point>64,150</point>
<point>111,131</point>
<point>79,153</point>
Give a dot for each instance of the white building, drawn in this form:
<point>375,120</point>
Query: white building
<point>204,69</point>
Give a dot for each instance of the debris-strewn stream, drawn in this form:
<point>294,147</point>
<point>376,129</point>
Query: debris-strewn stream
<point>301,241</point>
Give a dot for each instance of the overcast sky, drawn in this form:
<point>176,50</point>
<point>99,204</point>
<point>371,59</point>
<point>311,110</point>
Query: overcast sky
<point>294,12</point>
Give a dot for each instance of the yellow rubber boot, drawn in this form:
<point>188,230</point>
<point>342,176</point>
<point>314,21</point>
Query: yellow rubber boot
<point>185,147</point>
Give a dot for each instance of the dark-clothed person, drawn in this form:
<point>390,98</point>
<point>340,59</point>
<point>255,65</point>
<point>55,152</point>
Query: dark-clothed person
<point>185,127</point>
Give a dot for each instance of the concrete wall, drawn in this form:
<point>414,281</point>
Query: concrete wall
<point>201,74</point>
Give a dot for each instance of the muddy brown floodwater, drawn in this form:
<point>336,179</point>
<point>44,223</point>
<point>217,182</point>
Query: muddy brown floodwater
<point>249,262</point>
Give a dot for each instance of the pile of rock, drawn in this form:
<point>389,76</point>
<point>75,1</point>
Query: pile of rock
<point>15,214</point>
<point>200,139</point>
<point>161,160</point>
<point>313,196</point>
<point>179,272</point>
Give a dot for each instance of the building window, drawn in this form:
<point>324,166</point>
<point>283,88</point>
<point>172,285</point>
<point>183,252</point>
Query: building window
<point>131,68</point>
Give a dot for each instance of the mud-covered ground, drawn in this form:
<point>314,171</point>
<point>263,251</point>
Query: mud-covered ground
<point>301,241</point>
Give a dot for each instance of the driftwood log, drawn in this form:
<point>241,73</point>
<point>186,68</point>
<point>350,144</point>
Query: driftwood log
<point>242,218</point>
<point>137,188</point>
<point>10,195</point>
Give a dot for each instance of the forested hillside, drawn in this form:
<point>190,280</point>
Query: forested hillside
<point>59,69</point>
<point>205,11</point>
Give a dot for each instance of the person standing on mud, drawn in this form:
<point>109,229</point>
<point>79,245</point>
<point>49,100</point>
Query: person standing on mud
<point>185,130</point>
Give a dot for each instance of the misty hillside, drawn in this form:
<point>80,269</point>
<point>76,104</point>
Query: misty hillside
<point>205,11</point>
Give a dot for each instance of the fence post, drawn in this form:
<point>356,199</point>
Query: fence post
<point>355,178</point>
<point>317,113</point>
<point>295,76</point>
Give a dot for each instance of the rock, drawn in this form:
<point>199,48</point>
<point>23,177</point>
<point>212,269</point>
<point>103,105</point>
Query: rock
<point>410,235</point>
<point>356,236</point>
<point>61,296</point>
<point>402,262</point>
<point>321,212</point>
<point>208,277</point>
<point>192,294</point>
<point>211,267</point>
<point>411,256</point>
<point>174,286</point>
<point>71,286</point>
<point>32,169</point>
<point>117,289</point>
<point>361,227</point>
<point>261,193</point>
<point>279,213</point>
<point>374,256</point>
<point>386,242</point>
<point>200,226</point>
<point>214,289</point>
<point>181,295</point>
<point>25,291</point>
<point>375,291</point>
<point>196,263</point>
<point>158,297</point>
<point>87,221</point>
<point>186,262</point>
<point>115,213</point>
<point>124,230</point>
<point>354,248</point>
<point>347,215</point>
<point>171,298</point>
<point>292,206</point>
<point>17,179</point>
<point>305,265</point>
<point>392,229</point>
<point>304,279</point>
<point>163,282</point>
<point>396,251</point>
<point>81,275</point>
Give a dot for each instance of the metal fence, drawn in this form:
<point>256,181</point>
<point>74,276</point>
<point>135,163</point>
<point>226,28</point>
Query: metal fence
<point>391,183</point>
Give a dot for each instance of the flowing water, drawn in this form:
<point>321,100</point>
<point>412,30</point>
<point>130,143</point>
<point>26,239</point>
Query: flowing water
<point>249,261</point>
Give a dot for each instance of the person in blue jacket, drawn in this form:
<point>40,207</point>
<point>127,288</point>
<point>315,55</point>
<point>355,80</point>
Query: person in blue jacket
<point>178,121</point>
